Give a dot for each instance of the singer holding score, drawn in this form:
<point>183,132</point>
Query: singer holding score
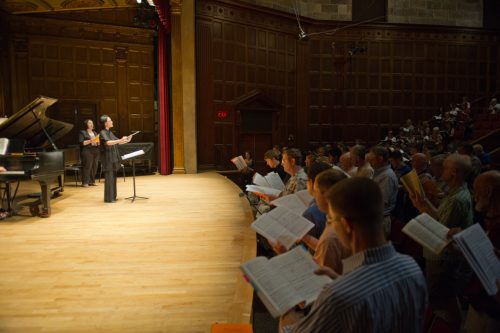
<point>89,144</point>
<point>110,158</point>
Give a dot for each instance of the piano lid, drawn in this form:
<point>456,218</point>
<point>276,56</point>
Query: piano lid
<point>24,124</point>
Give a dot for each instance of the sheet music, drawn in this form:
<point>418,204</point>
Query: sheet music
<point>272,179</point>
<point>282,225</point>
<point>239,162</point>
<point>428,232</point>
<point>297,202</point>
<point>133,154</point>
<point>136,132</point>
<point>262,189</point>
<point>480,254</point>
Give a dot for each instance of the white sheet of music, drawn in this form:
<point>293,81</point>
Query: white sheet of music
<point>133,154</point>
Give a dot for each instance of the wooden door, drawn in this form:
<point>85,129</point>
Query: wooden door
<point>257,144</point>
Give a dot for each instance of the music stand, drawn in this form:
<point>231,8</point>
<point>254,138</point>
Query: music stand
<point>131,157</point>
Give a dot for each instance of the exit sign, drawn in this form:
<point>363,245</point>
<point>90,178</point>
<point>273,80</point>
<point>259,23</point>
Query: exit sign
<point>221,114</point>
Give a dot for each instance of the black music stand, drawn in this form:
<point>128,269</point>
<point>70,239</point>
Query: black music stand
<point>131,157</point>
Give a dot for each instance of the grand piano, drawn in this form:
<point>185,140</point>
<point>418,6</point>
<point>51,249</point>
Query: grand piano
<point>39,158</point>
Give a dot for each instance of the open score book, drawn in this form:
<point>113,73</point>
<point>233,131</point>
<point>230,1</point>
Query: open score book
<point>412,183</point>
<point>283,226</point>
<point>285,280</point>
<point>270,184</point>
<point>297,202</point>
<point>239,162</point>
<point>480,254</point>
<point>428,232</point>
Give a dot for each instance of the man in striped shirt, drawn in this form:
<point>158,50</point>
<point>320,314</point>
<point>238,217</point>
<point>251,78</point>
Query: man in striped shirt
<point>380,290</point>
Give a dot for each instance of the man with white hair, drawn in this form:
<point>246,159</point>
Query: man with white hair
<point>358,155</point>
<point>447,272</point>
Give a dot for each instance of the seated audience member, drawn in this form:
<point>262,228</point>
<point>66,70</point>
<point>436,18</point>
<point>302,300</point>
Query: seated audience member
<point>437,170</point>
<point>437,140</point>
<point>272,162</point>
<point>409,128</point>
<point>320,151</point>
<point>398,164</point>
<point>483,156</point>
<point>380,290</point>
<point>328,250</point>
<point>390,138</point>
<point>334,154</point>
<point>476,166</point>
<point>313,213</point>
<point>484,311</point>
<point>292,159</point>
<point>310,158</point>
<point>420,163</point>
<point>277,150</point>
<point>494,107</point>
<point>247,172</point>
<point>378,157</point>
<point>447,272</point>
<point>455,209</point>
<point>358,153</point>
<point>346,165</point>
<point>249,160</point>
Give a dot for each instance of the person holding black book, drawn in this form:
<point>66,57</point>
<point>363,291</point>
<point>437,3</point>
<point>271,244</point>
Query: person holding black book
<point>110,158</point>
<point>89,143</point>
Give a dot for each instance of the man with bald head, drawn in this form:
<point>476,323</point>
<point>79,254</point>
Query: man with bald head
<point>346,165</point>
<point>446,273</point>
<point>420,163</point>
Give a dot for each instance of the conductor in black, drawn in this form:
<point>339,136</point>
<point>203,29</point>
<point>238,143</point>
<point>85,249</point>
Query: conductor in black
<point>110,157</point>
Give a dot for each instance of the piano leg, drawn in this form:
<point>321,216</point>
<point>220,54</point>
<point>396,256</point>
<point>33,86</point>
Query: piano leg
<point>60,181</point>
<point>45,199</point>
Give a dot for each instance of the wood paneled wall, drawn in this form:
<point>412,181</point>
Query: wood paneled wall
<point>110,66</point>
<point>327,95</point>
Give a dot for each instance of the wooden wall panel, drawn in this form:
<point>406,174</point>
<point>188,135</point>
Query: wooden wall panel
<point>235,57</point>
<point>105,68</point>
<point>408,74</point>
<point>327,95</point>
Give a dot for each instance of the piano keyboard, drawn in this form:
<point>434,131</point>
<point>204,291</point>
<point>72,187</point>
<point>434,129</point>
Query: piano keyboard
<point>12,173</point>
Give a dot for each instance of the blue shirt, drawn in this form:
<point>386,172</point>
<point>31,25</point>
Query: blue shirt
<point>380,291</point>
<point>317,217</point>
<point>389,185</point>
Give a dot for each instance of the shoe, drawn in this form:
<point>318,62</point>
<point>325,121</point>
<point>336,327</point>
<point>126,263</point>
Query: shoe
<point>85,185</point>
<point>93,184</point>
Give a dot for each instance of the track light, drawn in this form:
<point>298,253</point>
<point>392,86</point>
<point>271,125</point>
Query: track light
<point>302,33</point>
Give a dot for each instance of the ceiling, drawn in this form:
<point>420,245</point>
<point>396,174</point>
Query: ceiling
<point>38,6</point>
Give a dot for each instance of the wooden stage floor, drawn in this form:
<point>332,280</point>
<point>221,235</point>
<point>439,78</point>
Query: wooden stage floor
<point>166,264</point>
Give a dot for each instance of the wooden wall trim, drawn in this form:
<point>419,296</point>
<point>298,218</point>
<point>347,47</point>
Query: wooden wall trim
<point>30,25</point>
<point>177,87</point>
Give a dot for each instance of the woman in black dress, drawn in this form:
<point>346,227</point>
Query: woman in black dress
<point>89,143</point>
<point>110,158</point>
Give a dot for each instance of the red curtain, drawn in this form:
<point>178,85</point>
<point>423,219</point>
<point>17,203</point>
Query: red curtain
<point>163,11</point>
